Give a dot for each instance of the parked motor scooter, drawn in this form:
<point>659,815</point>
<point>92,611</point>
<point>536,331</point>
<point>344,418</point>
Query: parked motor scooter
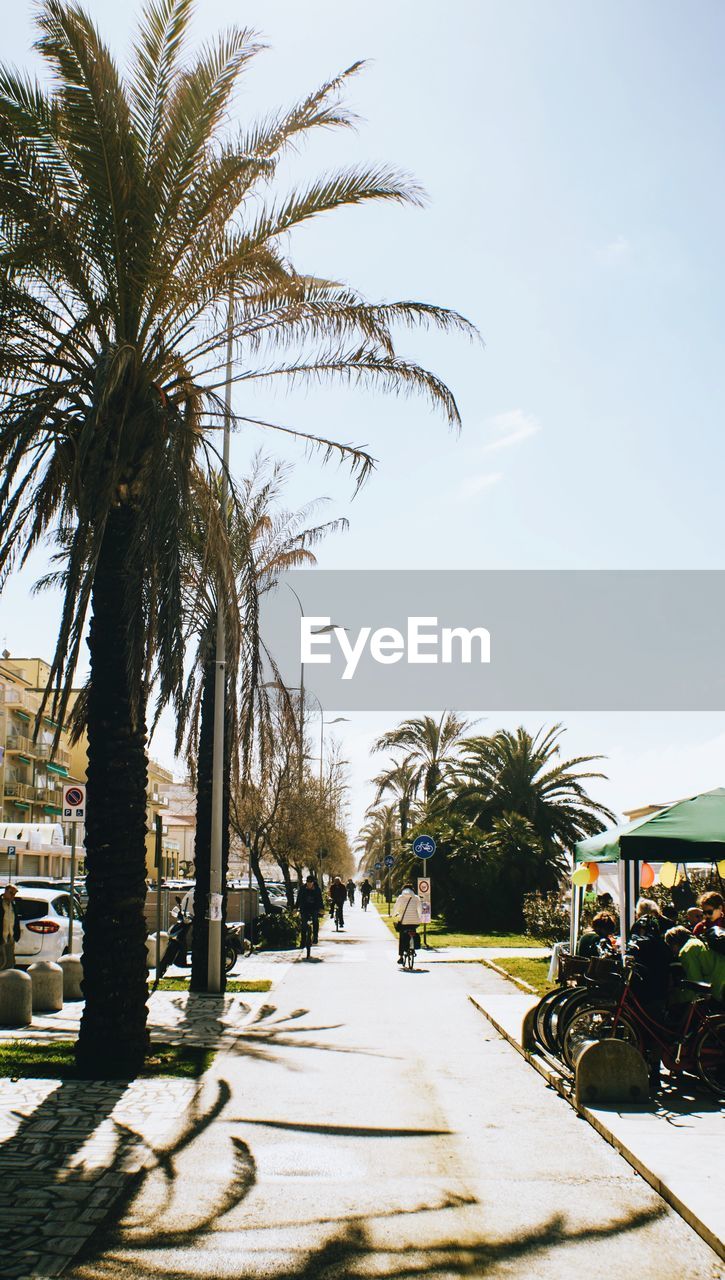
<point>176,950</point>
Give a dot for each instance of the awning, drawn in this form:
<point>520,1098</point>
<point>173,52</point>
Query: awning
<point>25,759</point>
<point>49,808</point>
<point>20,804</point>
<point>691,830</point>
<point>57,768</point>
<point>23,714</point>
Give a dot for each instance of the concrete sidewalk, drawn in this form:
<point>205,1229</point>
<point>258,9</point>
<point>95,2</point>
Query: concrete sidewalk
<point>361,1122</point>
<point>675,1142</point>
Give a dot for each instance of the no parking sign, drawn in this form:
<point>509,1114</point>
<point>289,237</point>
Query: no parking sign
<point>74,802</point>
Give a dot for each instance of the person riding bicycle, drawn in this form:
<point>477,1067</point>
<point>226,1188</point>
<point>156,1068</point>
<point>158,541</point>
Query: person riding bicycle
<point>365,890</point>
<point>309,904</point>
<point>407,913</point>
<point>351,891</point>
<point>338,898</point>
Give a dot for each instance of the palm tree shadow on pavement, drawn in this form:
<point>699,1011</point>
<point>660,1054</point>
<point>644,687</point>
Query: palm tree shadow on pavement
<point>350,1251</point>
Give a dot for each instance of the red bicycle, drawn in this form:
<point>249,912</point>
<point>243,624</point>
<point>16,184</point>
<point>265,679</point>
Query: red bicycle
<point>696,1046</point>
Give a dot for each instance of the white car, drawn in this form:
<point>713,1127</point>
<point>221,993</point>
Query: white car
<point>44,926</point>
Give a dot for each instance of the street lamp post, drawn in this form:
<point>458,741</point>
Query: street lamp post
<point>214,952</point>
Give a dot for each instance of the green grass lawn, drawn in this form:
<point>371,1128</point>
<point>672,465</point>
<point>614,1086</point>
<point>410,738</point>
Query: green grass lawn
<point>533,970</point>
<point>20,1060</point>
<point>440,936</point>
<point>234,985</point>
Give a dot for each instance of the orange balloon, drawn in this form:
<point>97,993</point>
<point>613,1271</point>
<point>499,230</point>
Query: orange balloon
<point>647,876</point>
<point>593,872</point>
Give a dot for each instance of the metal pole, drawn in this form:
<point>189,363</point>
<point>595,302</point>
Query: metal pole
<point>425,927</point>
<point>159,868</point>
<point>214,955</point>
<point>71,911</point>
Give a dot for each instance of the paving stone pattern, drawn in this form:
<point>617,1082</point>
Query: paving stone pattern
<point>67,1151</point>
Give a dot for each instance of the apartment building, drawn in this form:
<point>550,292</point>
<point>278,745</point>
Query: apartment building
<point>32,773</point>
<point>160,780</point>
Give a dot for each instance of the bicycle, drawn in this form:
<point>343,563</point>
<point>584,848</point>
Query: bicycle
<point>409,948</point>
<point>339,924</point>
<point>365,901</point>
<point>697,1046</point>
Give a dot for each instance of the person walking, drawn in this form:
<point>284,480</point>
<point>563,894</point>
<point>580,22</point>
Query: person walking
<point>10,927</point>
<point>338,898</point>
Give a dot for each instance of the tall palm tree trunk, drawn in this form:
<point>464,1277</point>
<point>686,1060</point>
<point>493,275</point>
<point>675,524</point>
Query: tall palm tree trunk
<point>113,1037</point>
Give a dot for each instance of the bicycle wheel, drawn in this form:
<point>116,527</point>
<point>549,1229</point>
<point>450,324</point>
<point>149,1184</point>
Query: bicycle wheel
<point>710,1054</point>
<point>539,1026</point>
<point>230,956</point>
<point>410,952</point>
<point>561,1014</point>
<point>308,937</point>
<point>596,1022</point>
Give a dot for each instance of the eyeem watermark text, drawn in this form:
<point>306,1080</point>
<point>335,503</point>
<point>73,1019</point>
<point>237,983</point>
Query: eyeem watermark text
<point>423,641</point>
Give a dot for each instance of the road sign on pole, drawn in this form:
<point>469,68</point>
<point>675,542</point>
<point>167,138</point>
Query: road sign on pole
<point>378,865</point>
<point>389,859</point>
<point>74,802</point>
<point>424,895</point>
<point>424,847</point>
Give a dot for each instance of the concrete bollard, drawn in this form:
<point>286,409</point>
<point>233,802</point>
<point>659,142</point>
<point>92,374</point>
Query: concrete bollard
<point>47,982</point>
<point>611,1071</point>
<point>527,1030</point>
<point>151,949</point>
<point>72,977</point>
<point>16,999</point>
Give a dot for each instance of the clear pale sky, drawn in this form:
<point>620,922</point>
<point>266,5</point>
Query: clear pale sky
<point>571,152</point>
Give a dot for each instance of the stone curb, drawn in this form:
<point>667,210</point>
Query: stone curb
<point>564,1089</point>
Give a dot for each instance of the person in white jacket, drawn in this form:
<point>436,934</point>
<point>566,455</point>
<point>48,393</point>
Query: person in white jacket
<point>407,911</point>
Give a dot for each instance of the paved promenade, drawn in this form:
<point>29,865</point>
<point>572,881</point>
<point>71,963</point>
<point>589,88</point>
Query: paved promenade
<point>360,1121</point>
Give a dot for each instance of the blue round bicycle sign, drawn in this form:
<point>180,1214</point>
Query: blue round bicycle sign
<point>424,846</point>
<point>389,859</point>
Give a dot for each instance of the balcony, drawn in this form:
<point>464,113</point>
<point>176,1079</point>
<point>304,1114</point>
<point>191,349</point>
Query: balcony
<point>49,795</point>
<point>18,700</point>
<point>18,790</point>
<point>155,798</point>
<point>18,742</point>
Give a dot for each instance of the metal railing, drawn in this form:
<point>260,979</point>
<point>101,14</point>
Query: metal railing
<point>19,742</point>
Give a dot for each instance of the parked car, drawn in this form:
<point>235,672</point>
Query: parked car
<point>60,886</point>
<point>44,926</point>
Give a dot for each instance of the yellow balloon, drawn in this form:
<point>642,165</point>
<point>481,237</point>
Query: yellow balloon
<point>668,875</point>
<point>721,869</point>
<point>581,876</point>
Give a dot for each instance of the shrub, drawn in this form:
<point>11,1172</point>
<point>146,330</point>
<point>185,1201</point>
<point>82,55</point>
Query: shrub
<point>545,916</point>
<point>278,930</point>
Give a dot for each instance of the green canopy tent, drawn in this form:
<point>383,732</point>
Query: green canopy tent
<point>691,830</point>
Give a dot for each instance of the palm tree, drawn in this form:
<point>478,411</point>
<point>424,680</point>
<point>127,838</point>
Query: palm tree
<point>402,780</point>
<point>377,837</point>
<point>511,776</point>
<point>429,744</point>
<point>262,543</point>
<point>128,215</point>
